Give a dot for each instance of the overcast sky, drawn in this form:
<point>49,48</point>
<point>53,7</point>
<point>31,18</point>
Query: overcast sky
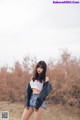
<point>37,27</point>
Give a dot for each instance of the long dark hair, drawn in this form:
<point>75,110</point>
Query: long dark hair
<point>40,77</point>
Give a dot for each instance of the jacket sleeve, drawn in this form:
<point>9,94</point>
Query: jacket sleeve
<point>43,94</point>
<point>28,94</point>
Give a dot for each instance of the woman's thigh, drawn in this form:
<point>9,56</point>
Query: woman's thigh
<point>27,113</point>
<point>38,115</point>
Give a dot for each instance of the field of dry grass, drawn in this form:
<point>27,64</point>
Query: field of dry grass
<point>53,112</point>
<point>64,75</point>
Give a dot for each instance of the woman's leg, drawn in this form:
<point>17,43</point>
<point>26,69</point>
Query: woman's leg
<point>27,113</point>
<point>38,114</point>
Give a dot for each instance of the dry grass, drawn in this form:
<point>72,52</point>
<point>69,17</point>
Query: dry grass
<point>53,112</point>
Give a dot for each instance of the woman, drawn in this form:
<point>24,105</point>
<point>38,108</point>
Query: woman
<point>37,90</point>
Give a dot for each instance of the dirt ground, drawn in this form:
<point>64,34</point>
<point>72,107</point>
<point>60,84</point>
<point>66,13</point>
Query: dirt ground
<point>53,112</point>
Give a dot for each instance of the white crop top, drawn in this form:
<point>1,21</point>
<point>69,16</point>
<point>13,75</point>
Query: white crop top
<point>36,84</point>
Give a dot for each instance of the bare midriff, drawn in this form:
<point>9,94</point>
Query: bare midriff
<point>35,91</point>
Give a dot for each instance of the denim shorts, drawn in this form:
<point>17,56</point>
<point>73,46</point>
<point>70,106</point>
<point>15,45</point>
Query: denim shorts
<point>33,101</point>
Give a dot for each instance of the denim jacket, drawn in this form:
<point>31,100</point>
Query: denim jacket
<point>47,88</point>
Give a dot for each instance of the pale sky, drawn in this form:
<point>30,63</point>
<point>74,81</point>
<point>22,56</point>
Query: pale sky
<point>38,28</point>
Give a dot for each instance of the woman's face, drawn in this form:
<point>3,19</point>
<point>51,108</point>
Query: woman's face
<point>39,70</point>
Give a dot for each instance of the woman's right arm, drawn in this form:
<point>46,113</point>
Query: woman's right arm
<point>28,94</point>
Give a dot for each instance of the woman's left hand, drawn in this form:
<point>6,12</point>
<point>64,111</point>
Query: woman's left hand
<point>35,109</point>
